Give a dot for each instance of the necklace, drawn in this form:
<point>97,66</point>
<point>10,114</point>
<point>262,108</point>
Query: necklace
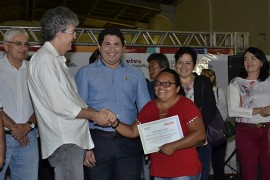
<point>189,81</point>
<point>163,114</point>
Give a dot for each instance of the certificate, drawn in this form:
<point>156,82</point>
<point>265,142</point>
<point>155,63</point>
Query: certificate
<point>157,133</point>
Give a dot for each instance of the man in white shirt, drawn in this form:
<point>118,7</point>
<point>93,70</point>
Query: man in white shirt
<point>61,113</point>
<point>18,116</point>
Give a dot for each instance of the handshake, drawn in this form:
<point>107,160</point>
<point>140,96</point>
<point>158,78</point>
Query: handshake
<point>104,117</point>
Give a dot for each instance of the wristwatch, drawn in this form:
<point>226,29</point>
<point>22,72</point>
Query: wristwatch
<point>32,125</point>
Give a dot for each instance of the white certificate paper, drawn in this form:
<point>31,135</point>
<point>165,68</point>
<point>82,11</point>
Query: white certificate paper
<point>157,133</point>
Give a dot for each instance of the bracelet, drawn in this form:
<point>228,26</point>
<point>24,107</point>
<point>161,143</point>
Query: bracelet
<point>118,122</point>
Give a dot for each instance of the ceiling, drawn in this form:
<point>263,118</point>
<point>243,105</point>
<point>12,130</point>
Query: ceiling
<point>92,13</point>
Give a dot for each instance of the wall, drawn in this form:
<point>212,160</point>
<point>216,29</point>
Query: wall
<point>227,16</point>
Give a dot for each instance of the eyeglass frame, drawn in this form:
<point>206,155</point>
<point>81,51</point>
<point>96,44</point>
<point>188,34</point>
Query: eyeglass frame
<point>71,32</point>
<point>20,43</point>
<point>163,84</point>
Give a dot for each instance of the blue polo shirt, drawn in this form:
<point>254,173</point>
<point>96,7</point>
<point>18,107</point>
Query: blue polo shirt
<point>123,90</point>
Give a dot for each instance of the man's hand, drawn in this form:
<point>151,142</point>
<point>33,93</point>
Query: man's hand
<point>104,117</point>
<point>24,141</point>
<point>90,160</point>
<point>20,130</point>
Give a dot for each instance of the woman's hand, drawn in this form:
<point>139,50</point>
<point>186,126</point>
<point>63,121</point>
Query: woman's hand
<point>167,149</point>
<point>265,111</point>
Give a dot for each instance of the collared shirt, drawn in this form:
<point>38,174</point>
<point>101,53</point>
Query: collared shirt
<point>56,102</point>
<point>244,95</point>
<point>14,93</point>
<point>123,90</point>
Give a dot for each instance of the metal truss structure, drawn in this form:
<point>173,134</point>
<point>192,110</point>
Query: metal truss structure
<point>148,38</point>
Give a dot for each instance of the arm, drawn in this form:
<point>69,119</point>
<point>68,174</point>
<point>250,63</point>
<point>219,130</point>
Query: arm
<point>104,117</point>
<point>196,135</point>
<point>21,130</point>
<point>234,104</point>
<point>130,131</point>
<point>9,123</point>
<point>2,142</point>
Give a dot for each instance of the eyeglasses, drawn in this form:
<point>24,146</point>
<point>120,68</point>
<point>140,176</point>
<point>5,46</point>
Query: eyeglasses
<point>71,32</point>
<point>20,44</point>
<point>164,84</point>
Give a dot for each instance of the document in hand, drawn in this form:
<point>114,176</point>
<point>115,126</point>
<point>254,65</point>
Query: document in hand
<point>157,133</point>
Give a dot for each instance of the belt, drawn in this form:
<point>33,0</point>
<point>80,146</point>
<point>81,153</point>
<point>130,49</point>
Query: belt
<point>7,132</point>
<point>108,134</point>
<point>253,125</point>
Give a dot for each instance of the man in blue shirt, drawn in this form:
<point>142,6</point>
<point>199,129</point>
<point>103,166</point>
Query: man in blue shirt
<point>112,84</point>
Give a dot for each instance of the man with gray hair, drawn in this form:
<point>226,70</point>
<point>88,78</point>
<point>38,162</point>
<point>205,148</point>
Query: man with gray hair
<point>22,154</point>
<point>61,114</point>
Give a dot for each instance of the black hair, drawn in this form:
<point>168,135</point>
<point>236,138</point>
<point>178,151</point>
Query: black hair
<point>186,50</point>
<point>259,54</point>
<point>110,31</point>
<point>161,59</point>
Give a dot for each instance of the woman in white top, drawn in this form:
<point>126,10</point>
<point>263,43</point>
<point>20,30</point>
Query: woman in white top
<point>218,152</point>
<point>248,101</point>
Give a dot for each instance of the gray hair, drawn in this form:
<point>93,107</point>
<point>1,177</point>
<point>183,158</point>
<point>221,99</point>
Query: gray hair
<point>57,20</point>
<point>9,34</point>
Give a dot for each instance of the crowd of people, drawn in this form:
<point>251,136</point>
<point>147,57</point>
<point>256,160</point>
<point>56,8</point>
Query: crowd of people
<point>88,125</point>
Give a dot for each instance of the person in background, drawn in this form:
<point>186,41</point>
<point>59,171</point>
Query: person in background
<point>18,115</point>
<point>111,83</point>
<point>178,159</point>
<point>157,62</point>
<point>218,152</point>
<point>2,139</point>
<point>200,90</point>
<point>61,113</point>
<point>94,56</point>
<point>248,102</point>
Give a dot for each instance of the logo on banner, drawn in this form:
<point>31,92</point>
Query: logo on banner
<point>136,62</point>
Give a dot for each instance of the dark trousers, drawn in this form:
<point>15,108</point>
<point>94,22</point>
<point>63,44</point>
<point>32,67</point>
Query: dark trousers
<point>218,158</point>
<point>117,157</point>
<point>205,158</point>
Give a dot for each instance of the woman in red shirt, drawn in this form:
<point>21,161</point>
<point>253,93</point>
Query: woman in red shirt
<point>179,159</point>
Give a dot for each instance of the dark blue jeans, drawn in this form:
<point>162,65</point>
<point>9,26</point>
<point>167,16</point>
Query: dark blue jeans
<point>205,153</point>
<point>117,158</point>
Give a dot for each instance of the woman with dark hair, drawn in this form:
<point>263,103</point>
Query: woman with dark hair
<point>200,90</point>
<point>179,159</point>
<point>248,101</point>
